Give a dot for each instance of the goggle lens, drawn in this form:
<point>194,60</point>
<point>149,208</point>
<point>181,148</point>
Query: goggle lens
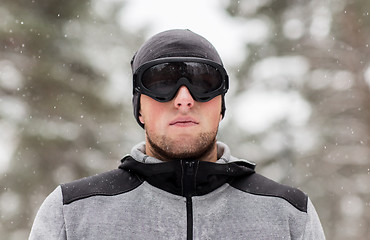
<point>164,77</point>
<point>161,81</point>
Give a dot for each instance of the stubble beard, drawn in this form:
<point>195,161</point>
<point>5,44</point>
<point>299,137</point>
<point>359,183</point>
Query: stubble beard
<point>167,149</point>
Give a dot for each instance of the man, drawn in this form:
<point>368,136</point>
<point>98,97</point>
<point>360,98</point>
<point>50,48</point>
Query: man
<point>180,183</point>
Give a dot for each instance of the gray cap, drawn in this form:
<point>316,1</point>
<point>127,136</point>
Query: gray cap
<point>172,43</point>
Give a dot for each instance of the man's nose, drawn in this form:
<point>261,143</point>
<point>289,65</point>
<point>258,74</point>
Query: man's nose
<point>183,98</point>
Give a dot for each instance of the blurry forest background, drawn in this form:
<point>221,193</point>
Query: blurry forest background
<point>299,103</point>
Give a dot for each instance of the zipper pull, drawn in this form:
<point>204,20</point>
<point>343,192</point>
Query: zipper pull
<point>188,178</point>
<point>189,167</point>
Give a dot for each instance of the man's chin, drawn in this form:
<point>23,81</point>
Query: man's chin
<point>185,146</point>
<point>189,152</point>
<point>183,135</point>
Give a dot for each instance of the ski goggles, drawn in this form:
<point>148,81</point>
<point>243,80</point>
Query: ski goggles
<point>160,79</point>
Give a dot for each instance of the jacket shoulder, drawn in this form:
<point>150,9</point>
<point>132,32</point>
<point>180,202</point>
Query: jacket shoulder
<point>110,183</point>
<point>260,185</point>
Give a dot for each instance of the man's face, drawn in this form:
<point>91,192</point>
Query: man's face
<point>181,128</point>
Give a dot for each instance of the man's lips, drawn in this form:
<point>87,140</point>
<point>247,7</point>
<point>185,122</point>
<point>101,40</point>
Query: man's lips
<point>184,122</point>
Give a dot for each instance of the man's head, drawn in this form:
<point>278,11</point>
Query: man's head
<point>179,85</point>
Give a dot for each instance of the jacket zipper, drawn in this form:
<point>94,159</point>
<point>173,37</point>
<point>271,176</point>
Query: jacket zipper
<point>188,189</point>
<point>189,217</point>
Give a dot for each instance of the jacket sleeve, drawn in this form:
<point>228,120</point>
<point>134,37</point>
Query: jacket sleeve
<point>313,230</point>
<point>49,221</point>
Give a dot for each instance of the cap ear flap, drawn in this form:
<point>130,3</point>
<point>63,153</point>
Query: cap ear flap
<point>136,108</point>
<point>223,106</point>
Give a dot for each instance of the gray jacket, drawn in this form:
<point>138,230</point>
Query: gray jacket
<point>148,199</point>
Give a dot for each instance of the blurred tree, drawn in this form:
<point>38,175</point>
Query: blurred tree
<point>65,105</point>
<point>333,37</point>
<point>53,77</point>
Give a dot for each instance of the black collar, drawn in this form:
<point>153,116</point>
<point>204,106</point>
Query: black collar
<point>187,177</point>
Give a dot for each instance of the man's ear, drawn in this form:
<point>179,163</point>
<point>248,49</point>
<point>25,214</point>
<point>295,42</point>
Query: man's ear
<point>141,118</point>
